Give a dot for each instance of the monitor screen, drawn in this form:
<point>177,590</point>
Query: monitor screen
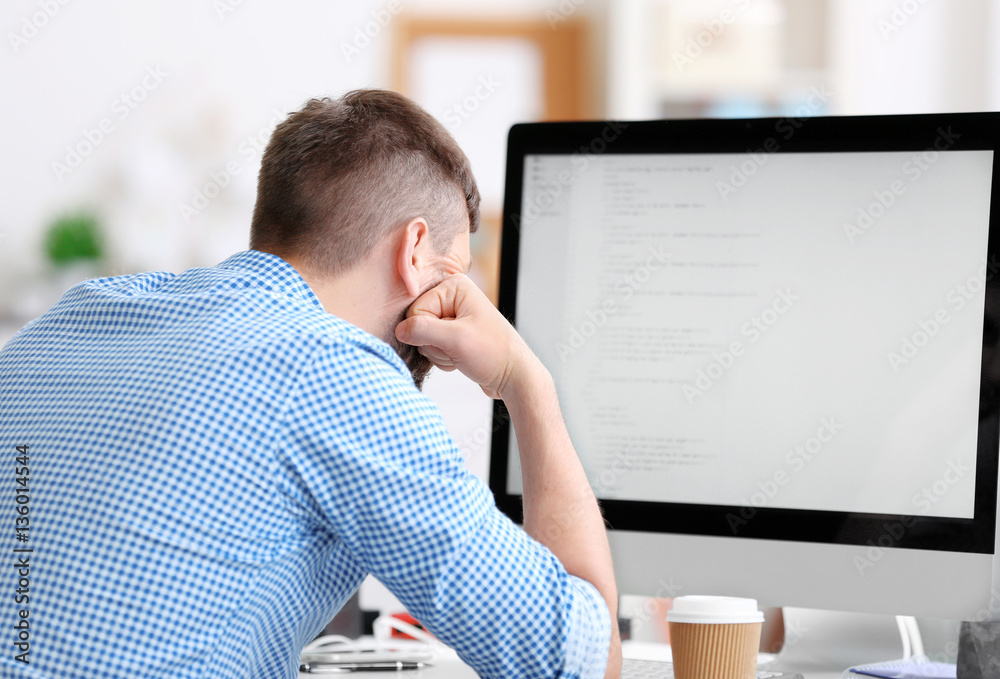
<point>770,329</point>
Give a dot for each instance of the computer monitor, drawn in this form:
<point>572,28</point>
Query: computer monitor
<point>775,343</point>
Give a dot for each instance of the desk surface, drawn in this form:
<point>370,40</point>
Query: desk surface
<point>448,666</point>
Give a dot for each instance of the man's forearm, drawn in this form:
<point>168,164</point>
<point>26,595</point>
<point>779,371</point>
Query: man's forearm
<point>560,509</point>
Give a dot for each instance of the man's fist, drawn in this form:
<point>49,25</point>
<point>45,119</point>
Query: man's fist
<point>456,326</point>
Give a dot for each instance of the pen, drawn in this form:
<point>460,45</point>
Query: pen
<point>382,666</point>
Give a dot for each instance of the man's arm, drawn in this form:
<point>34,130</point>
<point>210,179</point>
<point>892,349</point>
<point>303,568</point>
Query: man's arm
<point>371,465</point>
<point>456,326</point>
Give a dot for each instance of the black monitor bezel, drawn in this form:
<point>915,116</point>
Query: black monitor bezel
<point>917,133</point>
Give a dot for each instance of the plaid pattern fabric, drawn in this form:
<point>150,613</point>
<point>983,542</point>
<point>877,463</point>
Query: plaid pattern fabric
<point>214,463</point>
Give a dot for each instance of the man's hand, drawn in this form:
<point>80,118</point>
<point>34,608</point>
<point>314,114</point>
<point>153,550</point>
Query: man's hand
<point>456,326</point>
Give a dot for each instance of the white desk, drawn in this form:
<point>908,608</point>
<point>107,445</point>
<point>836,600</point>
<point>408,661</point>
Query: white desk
<point>448,665</point>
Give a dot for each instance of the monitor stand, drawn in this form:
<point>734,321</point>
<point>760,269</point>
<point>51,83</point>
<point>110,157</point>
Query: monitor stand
<point>832,641</point>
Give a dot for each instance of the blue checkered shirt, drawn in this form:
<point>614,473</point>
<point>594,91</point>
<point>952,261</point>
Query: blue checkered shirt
<point>213,465</point>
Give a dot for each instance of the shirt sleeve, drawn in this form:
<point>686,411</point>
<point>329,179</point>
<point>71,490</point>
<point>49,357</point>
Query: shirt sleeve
<point>385,477</point>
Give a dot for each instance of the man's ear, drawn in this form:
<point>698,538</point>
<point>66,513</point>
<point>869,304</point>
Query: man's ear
<point>414,253</point>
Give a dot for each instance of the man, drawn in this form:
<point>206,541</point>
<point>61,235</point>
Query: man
<point>216,459</point>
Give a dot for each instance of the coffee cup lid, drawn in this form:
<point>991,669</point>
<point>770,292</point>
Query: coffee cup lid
<point>714,610</point>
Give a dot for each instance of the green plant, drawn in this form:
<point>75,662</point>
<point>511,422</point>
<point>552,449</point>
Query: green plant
<point>74,237</point>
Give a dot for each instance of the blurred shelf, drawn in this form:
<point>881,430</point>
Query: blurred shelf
<point>691,57</point>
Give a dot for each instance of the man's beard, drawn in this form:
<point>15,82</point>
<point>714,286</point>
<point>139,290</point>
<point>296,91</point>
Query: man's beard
<point>418,364</point>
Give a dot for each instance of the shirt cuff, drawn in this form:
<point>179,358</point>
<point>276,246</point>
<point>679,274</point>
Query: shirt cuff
<point>588,633</point>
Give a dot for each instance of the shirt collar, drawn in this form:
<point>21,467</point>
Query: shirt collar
<point>274,272</point>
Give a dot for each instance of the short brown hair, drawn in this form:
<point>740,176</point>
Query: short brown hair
<point>339,175</point>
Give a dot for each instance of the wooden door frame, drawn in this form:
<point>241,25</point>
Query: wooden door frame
<point>563,47</point>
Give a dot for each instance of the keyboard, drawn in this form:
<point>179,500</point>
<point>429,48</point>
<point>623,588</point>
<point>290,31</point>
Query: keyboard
<point>657,669</point>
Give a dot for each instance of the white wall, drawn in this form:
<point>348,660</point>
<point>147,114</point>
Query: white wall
<point>232,67</point>
<point>912,56</point>
<point>226,79</point>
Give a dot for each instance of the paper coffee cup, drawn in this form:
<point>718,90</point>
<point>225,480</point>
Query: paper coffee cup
<point>714,637</point>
